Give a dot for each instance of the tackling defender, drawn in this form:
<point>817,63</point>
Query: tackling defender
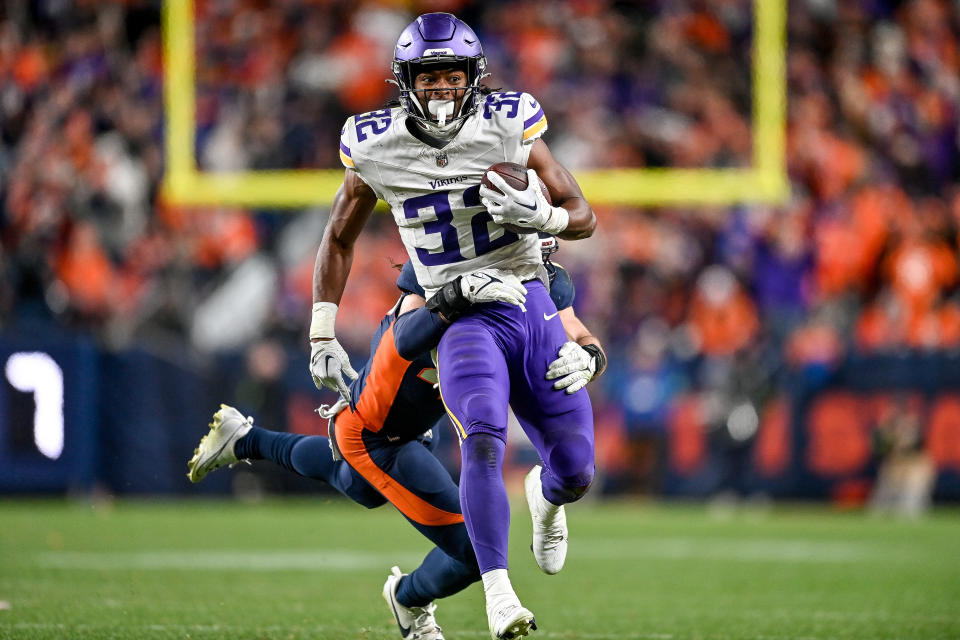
<point>425,159</point>
<point>386,452</point>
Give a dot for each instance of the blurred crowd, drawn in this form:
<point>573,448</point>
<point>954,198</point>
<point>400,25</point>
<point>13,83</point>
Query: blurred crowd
<point>720,301</point>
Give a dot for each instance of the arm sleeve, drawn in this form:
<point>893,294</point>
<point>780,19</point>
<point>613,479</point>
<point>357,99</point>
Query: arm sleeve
<point>417,331</point>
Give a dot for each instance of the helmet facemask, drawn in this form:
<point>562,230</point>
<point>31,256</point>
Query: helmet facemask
<point>548,246</point>
<point>440,117</point>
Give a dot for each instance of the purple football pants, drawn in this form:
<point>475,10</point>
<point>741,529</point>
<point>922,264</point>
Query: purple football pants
<point>498,355</point>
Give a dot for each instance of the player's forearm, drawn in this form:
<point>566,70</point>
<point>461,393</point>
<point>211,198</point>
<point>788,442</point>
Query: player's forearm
<point>593,347</point>
<point>577,332</point>
<point>331,270</point>
<point>417,332</point>
<point>565,192</point>
<point>582,222</point>
<point>588,339</point>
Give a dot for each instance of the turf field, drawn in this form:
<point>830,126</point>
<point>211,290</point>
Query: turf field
<point>314,569</point>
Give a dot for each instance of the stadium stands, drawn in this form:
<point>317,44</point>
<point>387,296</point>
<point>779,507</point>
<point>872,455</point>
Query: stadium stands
<point>719,315</point>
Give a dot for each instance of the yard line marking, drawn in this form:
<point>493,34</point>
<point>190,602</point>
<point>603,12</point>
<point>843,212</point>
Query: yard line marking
<point>193,560</point>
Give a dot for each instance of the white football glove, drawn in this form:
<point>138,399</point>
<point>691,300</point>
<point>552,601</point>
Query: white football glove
<point>575,368</point>
<point>492,285</point>
<point>527,208</point>
<point>486,285</point>
<point>328,360</point>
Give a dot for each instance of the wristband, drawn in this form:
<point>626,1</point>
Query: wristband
<point>557,221</point>
<point>598,355</point>
<point>449,301</point>
<point>322,321</point>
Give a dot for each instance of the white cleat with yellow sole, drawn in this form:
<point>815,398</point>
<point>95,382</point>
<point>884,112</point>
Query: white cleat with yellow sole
<point>216,449</point>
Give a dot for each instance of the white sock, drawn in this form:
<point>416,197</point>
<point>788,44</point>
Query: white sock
<point>496,585</point>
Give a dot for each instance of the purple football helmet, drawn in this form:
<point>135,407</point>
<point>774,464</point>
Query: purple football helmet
<point>438,39</point>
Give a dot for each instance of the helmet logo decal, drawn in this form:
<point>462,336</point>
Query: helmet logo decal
<point>439,52</point>
<point>442,159</point>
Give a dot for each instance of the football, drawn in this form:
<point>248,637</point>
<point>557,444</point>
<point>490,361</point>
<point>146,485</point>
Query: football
<point>514,175</point>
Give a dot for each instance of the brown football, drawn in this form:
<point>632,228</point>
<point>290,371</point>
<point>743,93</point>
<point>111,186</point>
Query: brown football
<point>514,175</point>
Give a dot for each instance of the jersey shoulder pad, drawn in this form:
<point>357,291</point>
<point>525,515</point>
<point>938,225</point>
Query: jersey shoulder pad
<point>363,131</point>
<point>562,290</point>
<point>346,145</point>
<point>518,112</point>
<point>534,119</point>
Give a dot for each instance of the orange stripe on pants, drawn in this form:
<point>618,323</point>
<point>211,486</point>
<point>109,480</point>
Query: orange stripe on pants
<point>383,382</point>
<point>349,433</point>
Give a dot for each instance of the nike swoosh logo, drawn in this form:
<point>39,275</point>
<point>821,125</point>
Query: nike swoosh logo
<point>404,631</point>
<point>532,207</point>
<point>487,284</point>
<point>550,317</point>
<point>326,362</point>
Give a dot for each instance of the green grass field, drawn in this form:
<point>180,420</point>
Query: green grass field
<point>314,569</point>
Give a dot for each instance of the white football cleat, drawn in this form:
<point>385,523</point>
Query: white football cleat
<point>509,620</point>
<point>416,623</point>
<point>216,448</point>
<point>549,526</point>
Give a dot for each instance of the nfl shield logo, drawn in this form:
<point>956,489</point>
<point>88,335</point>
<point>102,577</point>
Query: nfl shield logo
<point>441,159</point>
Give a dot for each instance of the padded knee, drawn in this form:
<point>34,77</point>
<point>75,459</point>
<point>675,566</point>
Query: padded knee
<point>570,490</point>
<point>572,471</point>
<point>483,451</point>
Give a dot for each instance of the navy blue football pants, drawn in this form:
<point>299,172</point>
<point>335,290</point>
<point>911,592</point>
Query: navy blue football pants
<point>406,474</point>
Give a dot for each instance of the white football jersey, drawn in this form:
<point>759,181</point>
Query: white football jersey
<point>434,193</point>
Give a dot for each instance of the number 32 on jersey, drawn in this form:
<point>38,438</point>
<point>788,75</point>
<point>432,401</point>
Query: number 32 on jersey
<point>437,205</point>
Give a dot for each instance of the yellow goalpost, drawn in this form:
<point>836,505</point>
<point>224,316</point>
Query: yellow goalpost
<point>763,182</point>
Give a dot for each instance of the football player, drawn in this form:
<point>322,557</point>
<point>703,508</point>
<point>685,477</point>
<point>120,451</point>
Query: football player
<point>375,455</point>
<point>425,158</point>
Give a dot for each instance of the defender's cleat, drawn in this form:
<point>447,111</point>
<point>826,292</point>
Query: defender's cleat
<point>510,620</point>
<point>416,623</point>
<point>549,526</point>
<point>216,448</point>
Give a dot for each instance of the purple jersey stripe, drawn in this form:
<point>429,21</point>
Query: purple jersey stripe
<point>534,118</point>
<point>345,150</point>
